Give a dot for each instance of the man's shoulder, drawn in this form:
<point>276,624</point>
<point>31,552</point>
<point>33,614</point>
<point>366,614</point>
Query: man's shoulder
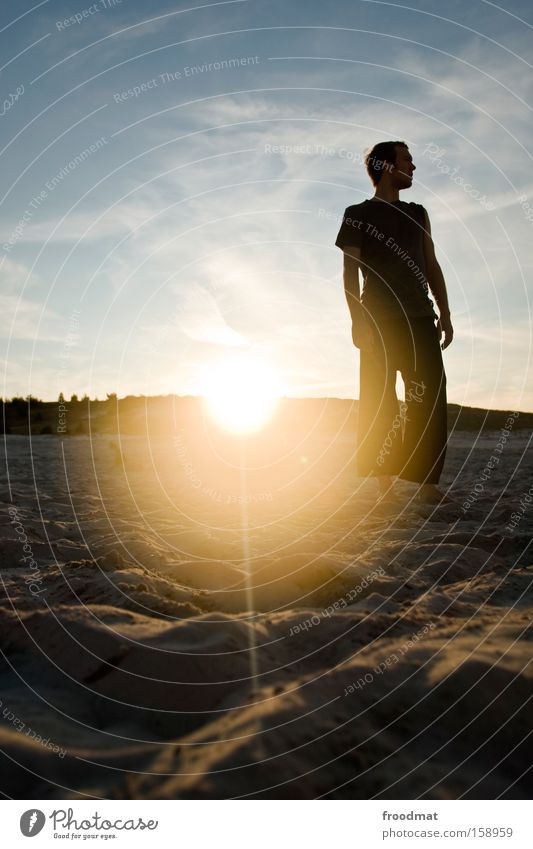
<point>416,211</point>
<point>354,208</point>
<point>415,205</point>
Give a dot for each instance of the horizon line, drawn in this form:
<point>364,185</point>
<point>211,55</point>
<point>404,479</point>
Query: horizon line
<point>113,396</point>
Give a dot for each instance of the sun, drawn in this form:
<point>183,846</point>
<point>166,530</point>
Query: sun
<point>241,393</point>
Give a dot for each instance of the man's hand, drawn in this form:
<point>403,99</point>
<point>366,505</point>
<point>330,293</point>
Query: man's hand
<point>362,334</point>
<point>444,327</point>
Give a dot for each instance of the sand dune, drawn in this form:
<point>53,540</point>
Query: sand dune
<point>280,636</point>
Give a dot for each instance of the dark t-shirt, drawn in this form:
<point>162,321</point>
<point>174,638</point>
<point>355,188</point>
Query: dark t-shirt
<point>390,236</point>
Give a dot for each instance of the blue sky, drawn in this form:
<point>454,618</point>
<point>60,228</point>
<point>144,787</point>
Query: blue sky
<point>174,176</point>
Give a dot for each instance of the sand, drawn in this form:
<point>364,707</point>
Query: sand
<point>181,629</point>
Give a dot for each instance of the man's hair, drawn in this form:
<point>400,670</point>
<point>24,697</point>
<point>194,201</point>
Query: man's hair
<point>380,158</point>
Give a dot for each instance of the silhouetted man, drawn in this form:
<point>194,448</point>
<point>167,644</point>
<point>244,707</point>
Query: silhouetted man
<point>393,325</point>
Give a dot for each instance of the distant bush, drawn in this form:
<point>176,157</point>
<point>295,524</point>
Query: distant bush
<point>19,406</point>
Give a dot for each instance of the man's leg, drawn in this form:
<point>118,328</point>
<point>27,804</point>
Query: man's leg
<point>425,434</point>
<point>379,440</point>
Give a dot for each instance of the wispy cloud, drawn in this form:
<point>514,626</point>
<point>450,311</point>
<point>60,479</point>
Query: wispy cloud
<point>199,317</point>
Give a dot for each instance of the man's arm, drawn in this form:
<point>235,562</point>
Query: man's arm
<point>352,258</point>
<point>362,336</point>
<point>437,285</point>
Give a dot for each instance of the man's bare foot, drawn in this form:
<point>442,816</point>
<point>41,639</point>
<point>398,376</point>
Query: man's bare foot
<point>429,493</point>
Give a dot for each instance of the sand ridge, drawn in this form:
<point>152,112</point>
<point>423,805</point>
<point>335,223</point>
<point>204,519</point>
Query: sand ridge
<point>180,644</point>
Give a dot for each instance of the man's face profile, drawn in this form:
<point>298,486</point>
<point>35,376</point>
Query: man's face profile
<point>402,171</point>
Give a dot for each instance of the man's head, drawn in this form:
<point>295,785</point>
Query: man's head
<point>390,162</point>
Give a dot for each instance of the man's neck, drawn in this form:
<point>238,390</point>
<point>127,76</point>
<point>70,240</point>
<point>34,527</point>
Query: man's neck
<point>386,193</point>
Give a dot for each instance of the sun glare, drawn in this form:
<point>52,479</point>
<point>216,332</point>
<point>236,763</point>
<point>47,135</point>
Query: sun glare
<point>241,393</point>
